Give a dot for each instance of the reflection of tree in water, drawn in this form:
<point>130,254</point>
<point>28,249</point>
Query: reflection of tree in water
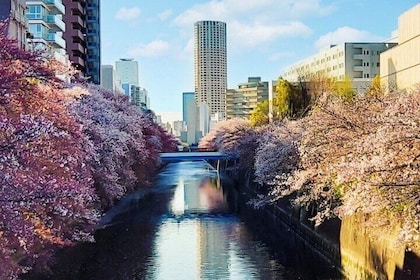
<point>211,195</point>
<point>133,248</point>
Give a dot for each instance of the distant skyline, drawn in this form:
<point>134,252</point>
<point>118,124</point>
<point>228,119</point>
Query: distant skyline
<point>263,37</point>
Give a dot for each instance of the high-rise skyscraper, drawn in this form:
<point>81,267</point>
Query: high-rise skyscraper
<point>93,38</point>
<point>210,65</point>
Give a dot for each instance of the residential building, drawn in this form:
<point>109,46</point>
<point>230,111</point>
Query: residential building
<point>82,37</point>
<point>128,71</point>
<point>358,62</point>
<point>210,65</point>
<point>75,33</point>
<point>242,101</point>
<point>400,66</point>
<point>46,27</point>
<point>18,24</point>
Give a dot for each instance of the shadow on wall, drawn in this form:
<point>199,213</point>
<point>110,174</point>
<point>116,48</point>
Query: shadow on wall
<point>375,254</point>
<point>410,269</point>
<point>392,78</point>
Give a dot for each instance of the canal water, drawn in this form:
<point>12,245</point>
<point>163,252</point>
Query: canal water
<point>183,229</point>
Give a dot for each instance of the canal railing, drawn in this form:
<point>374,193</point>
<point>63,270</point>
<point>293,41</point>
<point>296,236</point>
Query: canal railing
<point>194,156</point>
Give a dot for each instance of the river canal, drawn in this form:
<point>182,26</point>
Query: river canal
<point>183,229</point>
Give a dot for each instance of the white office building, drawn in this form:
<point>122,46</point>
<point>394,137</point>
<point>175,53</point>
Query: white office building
<point>359,62</point>
<point>128,71</point>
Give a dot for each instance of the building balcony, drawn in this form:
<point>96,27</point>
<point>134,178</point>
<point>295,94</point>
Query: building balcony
<point>55,40</point>
<point>79,21</point>
<point>76,33</point>
<point>358,68</point>
<point>55,23</point>
<point>76,7</point>
<point>55,6</point>
<point>358,56</point>
<point>76,48</point>
<point>77,60</point>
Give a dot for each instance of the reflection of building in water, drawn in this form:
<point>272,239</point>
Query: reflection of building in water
<point>213,249</point>
<point>195,196</point>
<point>192,196</point>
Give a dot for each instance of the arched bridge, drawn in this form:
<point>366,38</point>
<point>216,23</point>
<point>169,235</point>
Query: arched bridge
<point>193,156</point>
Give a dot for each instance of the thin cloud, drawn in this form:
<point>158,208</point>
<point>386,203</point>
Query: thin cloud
<point>252,23</point>
<point>255,34</point>
<point>165,15</point>
<point>278,56</point>
<point>127,14</point>
<point>345,34</point>
<point>152,49</point>
<point>270,10</point>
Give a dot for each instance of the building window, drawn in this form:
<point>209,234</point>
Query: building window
<point>38,30</point>
<point>35,12</point>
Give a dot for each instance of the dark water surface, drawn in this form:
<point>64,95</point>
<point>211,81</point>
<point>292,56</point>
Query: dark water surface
<point>183,229</point>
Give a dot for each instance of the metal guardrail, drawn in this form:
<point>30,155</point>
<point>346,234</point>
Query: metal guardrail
<point>193,156</point>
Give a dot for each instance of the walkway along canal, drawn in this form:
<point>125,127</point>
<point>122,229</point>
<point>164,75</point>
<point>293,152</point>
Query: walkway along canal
<point>192,225</point>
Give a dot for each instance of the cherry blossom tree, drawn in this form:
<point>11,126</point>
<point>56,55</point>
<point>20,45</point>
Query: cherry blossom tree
<point>47,195</point>
<point>225,136</point>
<point>66,155</point>
<point>277,154</point>
<point>362,156</point>
<point>127,142</point>
<point>349,155</point>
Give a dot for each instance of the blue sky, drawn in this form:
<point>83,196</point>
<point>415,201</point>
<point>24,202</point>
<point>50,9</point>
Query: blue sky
<point>263,36</point>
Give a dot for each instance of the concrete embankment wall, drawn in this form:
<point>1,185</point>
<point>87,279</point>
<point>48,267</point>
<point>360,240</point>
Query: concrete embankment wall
<point>357,252</point>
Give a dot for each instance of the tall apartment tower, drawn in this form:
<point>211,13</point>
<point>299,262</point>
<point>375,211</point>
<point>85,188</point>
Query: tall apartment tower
<point>82,37</point>
<point>75,33</point>
<point>210,65</point>
<point>18,24</point>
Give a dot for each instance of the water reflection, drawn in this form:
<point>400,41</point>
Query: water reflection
<point>182,230</point>
<point>202,239</point>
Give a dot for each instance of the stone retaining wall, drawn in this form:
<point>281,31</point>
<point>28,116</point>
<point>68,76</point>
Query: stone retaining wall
<point>347,244</point>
